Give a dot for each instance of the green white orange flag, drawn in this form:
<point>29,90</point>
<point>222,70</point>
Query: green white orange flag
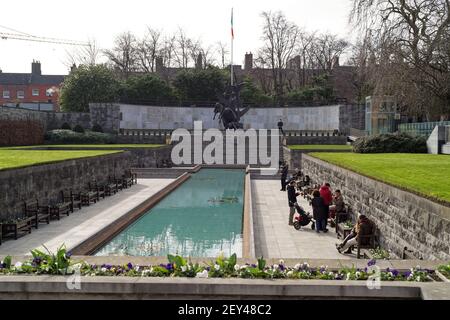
<point>232,27</point>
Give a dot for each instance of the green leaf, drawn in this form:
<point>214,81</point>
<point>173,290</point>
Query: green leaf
<point>7,261</point>
<point>261,263</point>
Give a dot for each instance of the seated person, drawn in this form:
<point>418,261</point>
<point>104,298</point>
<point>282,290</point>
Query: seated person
<point>363,227</point>
<point>338,204</point>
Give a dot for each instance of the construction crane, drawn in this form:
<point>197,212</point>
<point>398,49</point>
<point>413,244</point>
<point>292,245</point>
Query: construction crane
<point>18,35</point>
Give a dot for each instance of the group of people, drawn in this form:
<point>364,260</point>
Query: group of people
<point>325,207</point>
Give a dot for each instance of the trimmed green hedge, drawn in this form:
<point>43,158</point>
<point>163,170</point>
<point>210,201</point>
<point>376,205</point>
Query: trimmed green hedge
<point>69,136</point>
<point>391,143</point>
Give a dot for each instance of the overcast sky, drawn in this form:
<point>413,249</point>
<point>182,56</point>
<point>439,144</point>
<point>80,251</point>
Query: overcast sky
<point>102,20</point>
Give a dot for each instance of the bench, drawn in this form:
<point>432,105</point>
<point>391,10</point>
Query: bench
<point>129,178</point>
<point>117,182</point>
<point>87,197</point>
<point>99,190</point>
<point>17,229</point>
<point>74,200</point>
<point>37,213</point>
<point>111,188</point>
<point>369,243</point>
<point>56,209</point>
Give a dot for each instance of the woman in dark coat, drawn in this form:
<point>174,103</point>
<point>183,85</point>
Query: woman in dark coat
<point>320,212</point>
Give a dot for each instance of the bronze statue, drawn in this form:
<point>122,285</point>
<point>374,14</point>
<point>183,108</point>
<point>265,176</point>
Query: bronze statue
<point>230,108</point>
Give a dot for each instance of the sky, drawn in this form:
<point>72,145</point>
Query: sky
<point>102,20</point>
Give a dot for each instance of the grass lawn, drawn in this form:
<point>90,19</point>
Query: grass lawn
<point>24,158</point>
<point>320,147</point>
<point>89,146</point>
<point>426,174</point>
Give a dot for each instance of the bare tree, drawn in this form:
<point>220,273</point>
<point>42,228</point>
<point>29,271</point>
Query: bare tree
<point>124,56</point>
<point>149,49</point>
<point>85,55</point>
<point>411,50</point>
<point>280,38</point>
<point>222,50</point>
<point>167,51</point>
<point>327,48</point>
<point>183,49</point>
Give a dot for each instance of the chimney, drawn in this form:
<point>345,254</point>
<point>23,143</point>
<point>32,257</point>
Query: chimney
<point>335,62</point>
<point>159,64</point>
<point>36,68</point>
<point>248,65</point>
<point>199,62</point>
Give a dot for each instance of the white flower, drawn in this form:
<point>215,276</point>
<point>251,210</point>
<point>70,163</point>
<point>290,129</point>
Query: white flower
<point>357,274</point>
<point>18,265</point>
<point>348,276</point>
<point>244,267</point>
<point>77,267</point>
<point>236,267</point>
<point>290,273</point>
<point>189,267</point>
<point>203,274</point>
<point>145,272</point>
<point>216,267</point>
<point>281,261</point>
<point>330,274</point>
<point>418,279</point>
<point>136,268</point>
<point>391,274</point>
<point>275,267</point>
<point>183,268</point>
<point>297,266</point>
<point>103,269</point>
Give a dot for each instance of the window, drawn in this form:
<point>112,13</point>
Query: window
<point>6,94</point>
<point>35,92</point>
<point>20,94</point>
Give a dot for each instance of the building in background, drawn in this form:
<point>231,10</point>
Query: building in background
<point>30,90</point>
<point>381,115</point>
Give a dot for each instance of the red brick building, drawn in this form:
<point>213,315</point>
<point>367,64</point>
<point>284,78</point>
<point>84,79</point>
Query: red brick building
<point>30,90</point>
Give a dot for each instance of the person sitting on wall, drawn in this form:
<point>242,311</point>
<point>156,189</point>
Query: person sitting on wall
<point>337,206</point>
<point>363,227</point>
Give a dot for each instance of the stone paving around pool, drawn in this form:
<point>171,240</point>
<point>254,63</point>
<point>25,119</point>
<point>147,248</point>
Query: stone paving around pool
<point>84,223</point>
<point>274,238</point>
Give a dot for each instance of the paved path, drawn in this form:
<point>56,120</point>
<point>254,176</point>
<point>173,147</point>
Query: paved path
<point>275,239</point>
<point>83,223</point>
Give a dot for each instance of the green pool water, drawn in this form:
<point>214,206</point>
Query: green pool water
<point>201,218</point>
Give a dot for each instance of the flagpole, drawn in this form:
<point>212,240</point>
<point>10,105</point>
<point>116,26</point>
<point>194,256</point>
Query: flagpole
<point>232,48</point>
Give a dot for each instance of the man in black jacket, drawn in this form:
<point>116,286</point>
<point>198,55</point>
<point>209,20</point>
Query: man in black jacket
<point>284,174</point>
<point>292,199</point>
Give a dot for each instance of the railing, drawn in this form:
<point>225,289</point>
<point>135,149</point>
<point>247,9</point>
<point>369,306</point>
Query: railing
<point>421,128</point>
<point>211,104</point>
<point>312,133</point>
<point>358,133</point>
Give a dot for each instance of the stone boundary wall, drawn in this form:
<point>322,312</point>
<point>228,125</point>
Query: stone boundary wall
<point>50,120</point>
<point>46,181</point>
<point>402,218</point>
<point>294,157</point>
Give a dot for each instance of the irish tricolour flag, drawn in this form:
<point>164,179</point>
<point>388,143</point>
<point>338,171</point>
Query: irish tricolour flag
<point>232,28</point>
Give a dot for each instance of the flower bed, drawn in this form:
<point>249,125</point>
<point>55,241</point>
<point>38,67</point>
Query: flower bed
<point>61,264</point>
<point>444,270</point>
